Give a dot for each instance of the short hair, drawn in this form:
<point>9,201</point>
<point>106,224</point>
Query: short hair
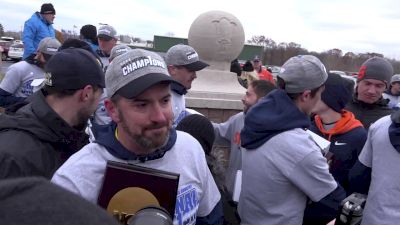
<point>262,87</point>
<point>293,96</point>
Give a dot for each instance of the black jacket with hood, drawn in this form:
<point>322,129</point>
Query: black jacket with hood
<point>369,113</point>
<point>35,140</point>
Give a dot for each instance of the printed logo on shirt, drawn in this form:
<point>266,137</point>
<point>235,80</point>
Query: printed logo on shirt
<point>340,143</point>
<point>236,138</point>
<point>27,88</point>
<point>187,204</point>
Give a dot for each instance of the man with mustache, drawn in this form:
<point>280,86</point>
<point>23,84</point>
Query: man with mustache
<point>368,104</point>
<point>141,133</point>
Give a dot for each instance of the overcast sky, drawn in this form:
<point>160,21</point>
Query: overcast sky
<point>317,25</point>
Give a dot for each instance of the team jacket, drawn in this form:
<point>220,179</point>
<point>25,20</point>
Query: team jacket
<point>347,139</point>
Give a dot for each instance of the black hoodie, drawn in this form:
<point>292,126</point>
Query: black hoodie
<point>35,141</point>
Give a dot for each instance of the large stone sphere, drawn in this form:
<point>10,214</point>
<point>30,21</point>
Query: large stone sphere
<point>217,36</point>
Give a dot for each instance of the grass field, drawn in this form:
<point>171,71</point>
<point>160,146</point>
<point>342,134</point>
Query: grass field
<point>1,76</point>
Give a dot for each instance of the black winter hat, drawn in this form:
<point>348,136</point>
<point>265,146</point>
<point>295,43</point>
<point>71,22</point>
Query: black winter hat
<point>200,128</point>
<point>337,93</point>
<point>248,66</point>
<point>47,8</point>
<point>376,68</point>
<point>72,69</point>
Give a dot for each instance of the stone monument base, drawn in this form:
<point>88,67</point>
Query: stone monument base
<point>216,94</point>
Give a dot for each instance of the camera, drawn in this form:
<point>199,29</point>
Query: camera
<point>351,210</point>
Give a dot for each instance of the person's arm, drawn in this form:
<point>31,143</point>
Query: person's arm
<point>7,99</point>
<point>15,155</point>
<point>224,131</point>
<point>9,167</point>
<point>360,178</point>
<point>360,174</point>
<point>216,216</point>
<point>326,209</point>
<point>313,178</point>
<point>10,84</point>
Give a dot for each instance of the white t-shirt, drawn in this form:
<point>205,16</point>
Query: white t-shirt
<point>19,77</point>
<point>83,174</point>
<point>278,177</point>
<point>383,203</point>
<point>178,107</point>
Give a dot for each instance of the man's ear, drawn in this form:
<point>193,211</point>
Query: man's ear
<point>112,110</point>
<point>171,69</point>
<point>86,93</point>
<point>305,95</point>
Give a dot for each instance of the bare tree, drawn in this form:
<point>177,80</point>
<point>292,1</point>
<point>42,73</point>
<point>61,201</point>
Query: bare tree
<point>333,59</point>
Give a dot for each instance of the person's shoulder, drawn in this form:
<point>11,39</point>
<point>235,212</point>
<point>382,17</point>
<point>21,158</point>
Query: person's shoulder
<point>239,115</point>
<point>14,136</point>
<point>357,132</point>
<point>22,148</point>
<point>187,142</point>
<point>183,137</point>
<point>301,139</point>
<point>234,118</point>
<point>383,122</point>
<point>33,19</point>
<point>296,138</point>
<point>22,65</point>
<point>90,152</point>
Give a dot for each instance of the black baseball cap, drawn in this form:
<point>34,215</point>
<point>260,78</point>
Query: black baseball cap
<point>72,69</point>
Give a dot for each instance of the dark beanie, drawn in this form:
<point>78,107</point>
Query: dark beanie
<point>47,8</point>
<point>337,93</point>
<point>89,32</point>
<point>200,128</point>
<point>376,68</point>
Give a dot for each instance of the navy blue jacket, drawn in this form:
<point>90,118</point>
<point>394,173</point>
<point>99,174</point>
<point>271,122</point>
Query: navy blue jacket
<point>345,148</point>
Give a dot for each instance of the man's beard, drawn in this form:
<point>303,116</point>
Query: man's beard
<point>148,144</point>
<point>82,119</point>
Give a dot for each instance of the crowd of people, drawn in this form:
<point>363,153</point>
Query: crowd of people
<point>73,106</point>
